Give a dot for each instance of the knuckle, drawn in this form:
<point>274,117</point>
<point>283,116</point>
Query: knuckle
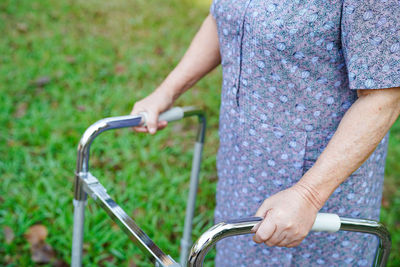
<point>281,244</point>
<point>289,226</point>
<point>269,243</point>
<point>257,239</point>
<point>262,236</point>
<point>296,232</point>
<point>303,234</point>
<point>292,245</point>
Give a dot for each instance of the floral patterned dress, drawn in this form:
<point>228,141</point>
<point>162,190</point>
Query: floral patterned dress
<point>290,72</point>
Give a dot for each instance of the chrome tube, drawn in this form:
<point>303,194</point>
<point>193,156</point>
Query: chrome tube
<point>186,241</point>
<point>82,165</point>
<point>77,234</point>
<point>374,228</point>
<point>217,232</point>
<point>137,235</point>
<point>103,125</point>
<point>193,111</point>
<point>243,226</point>
<point>82,168</point>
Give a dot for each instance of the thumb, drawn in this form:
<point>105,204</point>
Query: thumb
<point>263,209</point>
<point>261,212</point>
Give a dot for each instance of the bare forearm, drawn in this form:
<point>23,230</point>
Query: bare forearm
<point>201,57</point>
<point>360,131</point>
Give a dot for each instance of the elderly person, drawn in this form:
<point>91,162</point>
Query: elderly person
<point>310,90</point>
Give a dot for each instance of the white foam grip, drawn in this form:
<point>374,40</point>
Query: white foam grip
<point>326,222</point>
<point>172,114</point>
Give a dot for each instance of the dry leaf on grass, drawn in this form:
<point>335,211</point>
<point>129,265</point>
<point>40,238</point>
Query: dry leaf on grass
<point>119,69</point>
<point>20,110</point>
<point>41,252</point>
<point>36,234</point>
<point>41,81</point>
<point>60,263</point>
<point>132,263</point>
<point>22,27</point>
<point>70,59</point>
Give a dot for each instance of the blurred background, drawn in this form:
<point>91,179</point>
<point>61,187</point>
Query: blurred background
<point>68,63</point>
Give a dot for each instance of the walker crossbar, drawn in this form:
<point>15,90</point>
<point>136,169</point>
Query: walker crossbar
<point>86,183</point>
<point>324,222</point>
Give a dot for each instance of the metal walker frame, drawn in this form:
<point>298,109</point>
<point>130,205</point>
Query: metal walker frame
<point>87,184</point>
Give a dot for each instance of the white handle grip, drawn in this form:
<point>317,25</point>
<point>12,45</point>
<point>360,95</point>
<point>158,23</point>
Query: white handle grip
<point>172,114</point>
<point>326,222</point>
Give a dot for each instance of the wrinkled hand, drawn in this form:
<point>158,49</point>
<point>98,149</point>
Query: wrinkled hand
<point>288,216</point>
<point>154,104</point>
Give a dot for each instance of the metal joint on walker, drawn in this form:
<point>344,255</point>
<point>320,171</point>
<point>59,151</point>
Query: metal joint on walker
<point>89,183</point>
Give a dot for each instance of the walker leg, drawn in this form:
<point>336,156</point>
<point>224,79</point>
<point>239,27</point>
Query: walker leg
<point>77,238</point>
<point>186,241</point>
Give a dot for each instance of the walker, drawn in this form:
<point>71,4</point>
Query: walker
<point>87,184</point>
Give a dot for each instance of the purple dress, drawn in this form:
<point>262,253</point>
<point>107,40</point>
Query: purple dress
<point>290,70</point>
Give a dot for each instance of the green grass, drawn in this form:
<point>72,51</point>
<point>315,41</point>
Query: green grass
<point>101,57</point>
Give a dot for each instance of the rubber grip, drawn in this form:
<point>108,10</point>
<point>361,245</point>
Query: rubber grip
<point>172,114</point>
<point>326,222</point>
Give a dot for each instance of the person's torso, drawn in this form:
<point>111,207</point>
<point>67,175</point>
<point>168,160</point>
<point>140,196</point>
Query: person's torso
<point>282,63</point>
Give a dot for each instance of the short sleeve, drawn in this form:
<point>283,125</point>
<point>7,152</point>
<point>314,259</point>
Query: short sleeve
<point>370,35</point>
<point>213,8</point>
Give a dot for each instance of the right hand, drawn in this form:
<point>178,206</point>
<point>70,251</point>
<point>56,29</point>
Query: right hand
<point>154,104</point>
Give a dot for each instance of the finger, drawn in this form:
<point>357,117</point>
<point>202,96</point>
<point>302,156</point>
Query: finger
<point>263,209</point>
<point>162,124</point>
<point>255,227</point>
<point>261,212</point>
<point>152,122</point>
<point>293,244</point>
<point>136,111</point>
<point>140,129</point>
<point>143,129</point>
<point>276,238</point>
<point>291,239</point>
<point>265,230</point>
<point>286,241</point>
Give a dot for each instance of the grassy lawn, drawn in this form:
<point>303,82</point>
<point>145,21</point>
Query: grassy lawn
<point>64,65</point>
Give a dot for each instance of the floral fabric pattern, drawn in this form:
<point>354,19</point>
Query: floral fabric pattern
<point>289,73</point>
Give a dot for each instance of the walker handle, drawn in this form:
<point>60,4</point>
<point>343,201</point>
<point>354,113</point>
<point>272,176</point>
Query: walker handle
<point>172,114</point>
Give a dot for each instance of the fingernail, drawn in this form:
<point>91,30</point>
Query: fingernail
<point>152,130</point>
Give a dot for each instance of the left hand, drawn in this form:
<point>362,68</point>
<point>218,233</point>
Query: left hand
<point>288,216</point>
